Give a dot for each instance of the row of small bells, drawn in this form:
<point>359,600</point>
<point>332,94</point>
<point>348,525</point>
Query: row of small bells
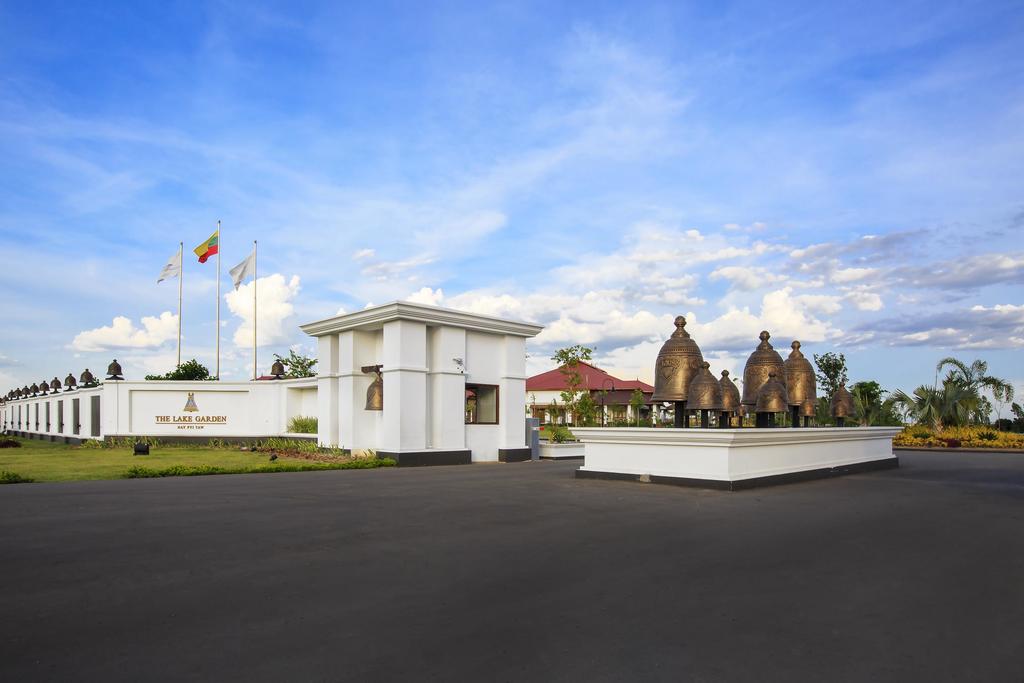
<point>770,385</point>
<point>114,372</point>
<point>86,379</point>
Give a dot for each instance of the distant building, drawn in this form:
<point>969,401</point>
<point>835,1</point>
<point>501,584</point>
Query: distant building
<point>610,394</point>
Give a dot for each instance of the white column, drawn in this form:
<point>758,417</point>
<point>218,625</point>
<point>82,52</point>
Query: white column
<point>327,391</point>
<point>403,427</point>
<point>447,389</point>
<point>512,395</point>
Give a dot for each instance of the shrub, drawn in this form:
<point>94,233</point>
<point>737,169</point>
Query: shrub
<point>138,472</point>
<point>301,424</point>
<point>10,443</point>
<point>12,478</point>
<point>958,437</point>
<point>560,434</point>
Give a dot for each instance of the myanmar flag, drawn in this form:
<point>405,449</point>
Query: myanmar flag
<point>207,248</point>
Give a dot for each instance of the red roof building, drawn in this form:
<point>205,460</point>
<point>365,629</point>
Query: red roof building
<point>613,395</point>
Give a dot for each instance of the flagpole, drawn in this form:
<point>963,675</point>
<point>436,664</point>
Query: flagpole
<point>219,249</point>
<point>181,276</point>
<point>254,280</point>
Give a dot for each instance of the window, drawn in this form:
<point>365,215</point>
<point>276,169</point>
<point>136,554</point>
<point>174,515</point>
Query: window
<point>481,404</point>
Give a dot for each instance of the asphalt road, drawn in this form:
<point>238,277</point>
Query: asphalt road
<point>517,572</point>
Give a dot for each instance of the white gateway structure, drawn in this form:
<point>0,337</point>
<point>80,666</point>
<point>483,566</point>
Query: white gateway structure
<point>454,384</point>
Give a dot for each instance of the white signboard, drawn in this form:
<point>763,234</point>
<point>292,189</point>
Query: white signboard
<point>190,413</point>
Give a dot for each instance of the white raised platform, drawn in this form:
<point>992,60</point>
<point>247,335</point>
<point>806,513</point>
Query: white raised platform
<point>733,458</point>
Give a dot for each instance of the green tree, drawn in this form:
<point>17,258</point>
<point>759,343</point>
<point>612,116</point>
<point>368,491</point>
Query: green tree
<point>831,372</point>
<point>871,405</point>
<point>636,402</point>
<point>189,370</point>
<point>938,407</point>
<point>297,365</point>
<point>975,379</point>
<point>568,360</point>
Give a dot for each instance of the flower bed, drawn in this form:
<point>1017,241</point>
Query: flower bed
<point>958,437</point>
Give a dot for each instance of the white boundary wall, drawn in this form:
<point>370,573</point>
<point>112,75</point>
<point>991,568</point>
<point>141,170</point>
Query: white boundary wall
<point>126,408</point>
<point>730,454</point>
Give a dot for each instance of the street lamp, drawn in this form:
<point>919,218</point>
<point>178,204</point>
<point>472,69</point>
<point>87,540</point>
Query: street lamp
<point>604,392</point>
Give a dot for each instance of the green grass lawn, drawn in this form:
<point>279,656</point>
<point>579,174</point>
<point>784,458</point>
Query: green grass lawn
<point>45,461</point>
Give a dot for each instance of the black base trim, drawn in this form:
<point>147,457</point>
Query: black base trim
<point>428,458</point>
<point>514,454</point>
<point>741,484</point>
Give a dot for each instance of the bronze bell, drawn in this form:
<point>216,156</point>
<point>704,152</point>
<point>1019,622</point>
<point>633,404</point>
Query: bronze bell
<point>679,361</point>
<point>730,394</point>
<point>705,393</point>
<point>842,403</point>
<point>277,369</point>
<point>55,385</point>
<point>87,378</point>
<point>44,387</point>
<point>761,363</point>
<point>35,389</point>
<point>114,371</point>
<point>27,391</point>
<point>800,381</point>
<point>69,382</point>
<point>772,398</point>
<point>375,392</point>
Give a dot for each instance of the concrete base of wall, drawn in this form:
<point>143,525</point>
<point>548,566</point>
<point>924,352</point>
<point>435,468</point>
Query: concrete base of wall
<point>428,457</point>
<point>741,484</point>
<point>52,438</point>
<point>514,454</point>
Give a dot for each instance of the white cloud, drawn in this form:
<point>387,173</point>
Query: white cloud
<point>845,275</point>
<point>427,296</point>
<point>865,301</point>
<point>745,278</point>
<point>275,308</point>
<point>363,254</point>
<point>122,334</point>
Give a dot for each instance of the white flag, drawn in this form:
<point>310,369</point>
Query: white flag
<point>243,269</point>
<point>172,269</point>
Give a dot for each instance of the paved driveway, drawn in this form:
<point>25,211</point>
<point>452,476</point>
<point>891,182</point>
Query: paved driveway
<point>517,572</point>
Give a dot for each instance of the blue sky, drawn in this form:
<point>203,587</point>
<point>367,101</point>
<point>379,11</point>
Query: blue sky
<point>846,174</point>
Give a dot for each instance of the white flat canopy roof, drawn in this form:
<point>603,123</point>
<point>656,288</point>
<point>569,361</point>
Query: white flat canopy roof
<point>434,316</point>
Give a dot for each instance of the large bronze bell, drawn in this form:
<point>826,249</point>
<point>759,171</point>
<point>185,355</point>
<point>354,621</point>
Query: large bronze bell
<point>86,378</point>
<point>69,382</point>
<point>800,382</point>
<point>277,369</point>
<point>730,393</point>
<point>704,395</point>
<point>55,385</point>
<point>375,392</point>
<point>44,387</point>
<point>35,389</point>
<point>678,363</point>
<point>842,405</point>
<point>114,371</point>
<point>705,392</point>
<point>761,363</point>
<point>771,399</point>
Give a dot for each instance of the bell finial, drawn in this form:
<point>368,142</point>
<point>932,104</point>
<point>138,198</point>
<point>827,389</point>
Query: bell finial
<point>725,373</point>
<point>680,323</point>
<point>114,371</point>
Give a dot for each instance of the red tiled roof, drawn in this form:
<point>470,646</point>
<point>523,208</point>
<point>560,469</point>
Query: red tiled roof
<point>592,378</point>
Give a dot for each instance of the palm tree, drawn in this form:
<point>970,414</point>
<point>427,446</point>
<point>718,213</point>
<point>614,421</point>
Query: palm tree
<point>975,378</point>
<point>945,406</point>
